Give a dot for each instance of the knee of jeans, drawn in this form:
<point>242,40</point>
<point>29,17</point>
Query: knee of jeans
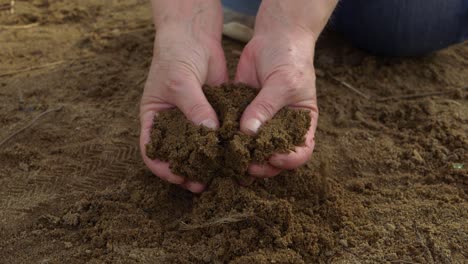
<point>247,7</point>
<point>400,27</point>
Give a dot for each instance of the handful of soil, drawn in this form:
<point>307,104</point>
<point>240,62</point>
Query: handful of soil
<point>200,154</point>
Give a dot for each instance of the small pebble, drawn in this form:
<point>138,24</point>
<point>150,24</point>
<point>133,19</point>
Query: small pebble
<point>417,156</point>
<point>36,232</point>
<point>343,242</point>
<point>390,227</point>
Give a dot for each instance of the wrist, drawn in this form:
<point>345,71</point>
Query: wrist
<point>294,17</point>
<point>292,40</point>
<point>197,18</point>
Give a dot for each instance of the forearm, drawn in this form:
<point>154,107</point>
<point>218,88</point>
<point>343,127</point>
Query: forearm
<point>309,16</point>
<point>196,16</point>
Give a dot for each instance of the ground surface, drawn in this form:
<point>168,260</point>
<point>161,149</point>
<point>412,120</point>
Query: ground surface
<point>387,183</point>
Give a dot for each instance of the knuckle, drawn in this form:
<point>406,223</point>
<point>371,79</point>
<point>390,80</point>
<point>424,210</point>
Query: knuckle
<point>150,102</point>
<point>294,85</point>
<point>265,108</point>
<point>197,109</point>
<point>300,86</point>
<point>305,155</point>
<point>176,76</point>
<point>297,160</point>
<point>174,84</point>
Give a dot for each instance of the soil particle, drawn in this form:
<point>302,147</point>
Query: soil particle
<point>200,153</point>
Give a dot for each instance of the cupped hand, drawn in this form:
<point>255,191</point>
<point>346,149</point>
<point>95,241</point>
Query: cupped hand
<point>281,66</point>
<point>182,62</point>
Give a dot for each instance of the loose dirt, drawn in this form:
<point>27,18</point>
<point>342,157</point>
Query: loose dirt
<point>387,182</point>
<point>200,154</point>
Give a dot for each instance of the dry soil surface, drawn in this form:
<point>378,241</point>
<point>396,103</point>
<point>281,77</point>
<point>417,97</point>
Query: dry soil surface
<point>387,182</point>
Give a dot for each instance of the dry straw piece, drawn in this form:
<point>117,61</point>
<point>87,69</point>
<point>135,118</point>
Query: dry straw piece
<point>232,218</point>
<point>29,125</point>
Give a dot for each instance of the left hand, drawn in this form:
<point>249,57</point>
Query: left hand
<point>281,66</point>
<point>182,62</point>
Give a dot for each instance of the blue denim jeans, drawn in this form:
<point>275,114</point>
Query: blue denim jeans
<point>392,27</point>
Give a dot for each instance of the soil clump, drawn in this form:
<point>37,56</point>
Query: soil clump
<point>200,153</point>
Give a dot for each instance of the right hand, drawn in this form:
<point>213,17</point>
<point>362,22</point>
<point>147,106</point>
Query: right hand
<point>280,64</point>
<point>183,61</point>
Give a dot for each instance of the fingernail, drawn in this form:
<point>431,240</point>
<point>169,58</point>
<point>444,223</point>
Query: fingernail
<point>209,123</point>
<point>253,125</point>
<point>195,187</point>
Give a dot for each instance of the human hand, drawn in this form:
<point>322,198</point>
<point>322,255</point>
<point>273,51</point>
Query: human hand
<point>182,62</point>
<point>281,66</point>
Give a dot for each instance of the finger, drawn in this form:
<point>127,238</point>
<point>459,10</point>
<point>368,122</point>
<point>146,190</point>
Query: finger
<point>217,69</point>
<point>146,121</point>
<point>263,108</point>
<point>193,103</point>
<point>162,170</point>
<point>159,168</point>
<point>296,158</point>
<point>194,187</point>
<point>246,72</point>
<point>263,170</point>
<point>301,154</point>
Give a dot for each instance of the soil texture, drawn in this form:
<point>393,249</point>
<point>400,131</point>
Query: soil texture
<point>200,154</point>
<point>387,183</point>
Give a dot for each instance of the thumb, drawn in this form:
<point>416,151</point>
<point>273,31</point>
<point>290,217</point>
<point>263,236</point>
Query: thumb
<point>263,108</point>
<point>196,107</point>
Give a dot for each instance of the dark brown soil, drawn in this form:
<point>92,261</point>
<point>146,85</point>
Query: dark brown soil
<point>387,182</point>
<point>200,154</point>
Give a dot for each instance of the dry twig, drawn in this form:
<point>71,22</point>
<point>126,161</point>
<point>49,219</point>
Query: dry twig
<point>414,96</point>
<point>47,65</point>
<point>396,97</point>
<point>19,26</point>
<point>30,124</point>
<point>233,218</point>
<point>20,99</point>
<point>350,87</point>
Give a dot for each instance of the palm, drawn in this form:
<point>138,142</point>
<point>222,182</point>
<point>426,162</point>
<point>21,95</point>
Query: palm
<point>283,70</point>
<point>175,80</point>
